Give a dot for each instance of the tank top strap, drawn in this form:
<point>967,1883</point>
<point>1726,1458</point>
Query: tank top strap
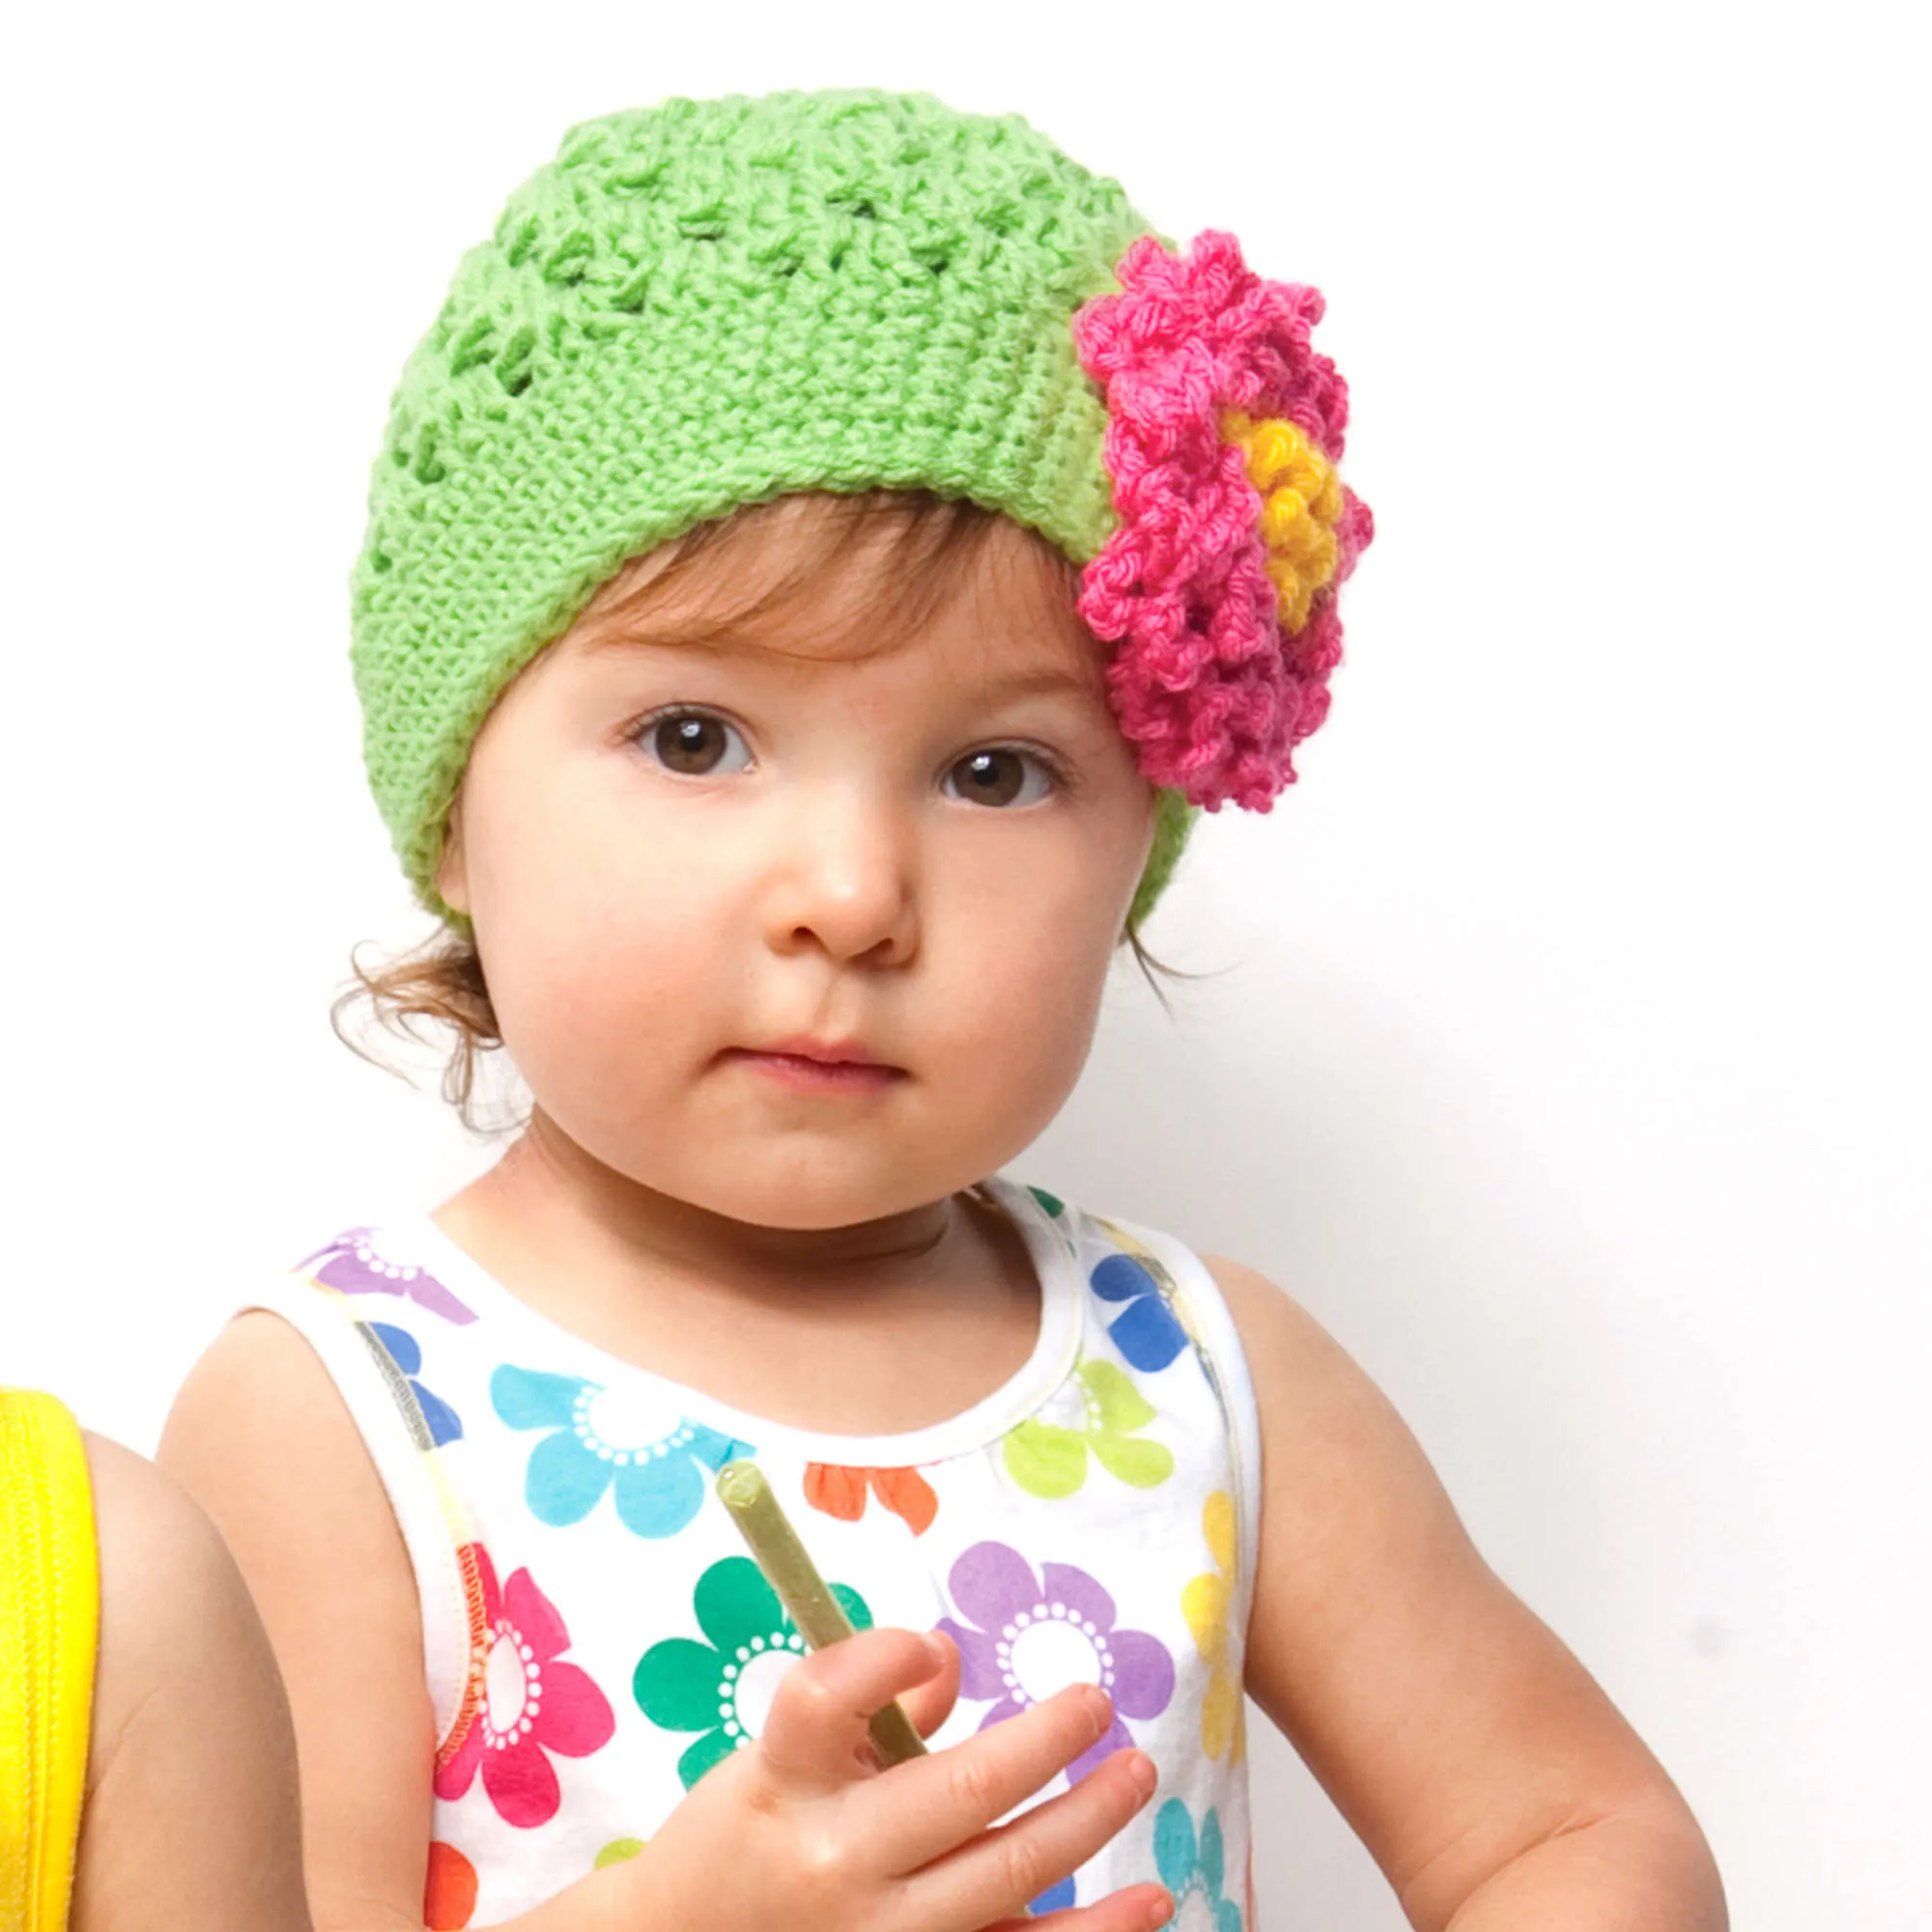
<point>347,1300</point>
<point>1186,1286</point>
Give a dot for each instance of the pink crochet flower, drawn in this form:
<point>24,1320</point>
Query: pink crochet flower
<point>1234,531</point>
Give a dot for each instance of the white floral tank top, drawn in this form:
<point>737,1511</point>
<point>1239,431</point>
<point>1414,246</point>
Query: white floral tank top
<point>596,1637</point>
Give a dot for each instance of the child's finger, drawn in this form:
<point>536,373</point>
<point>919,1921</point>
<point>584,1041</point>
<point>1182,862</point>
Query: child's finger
<point>929,1704</point>
<point>926,1808</point>
<point>817,1729</point>
<point>1134,1907</point>
<point>994,1874</point>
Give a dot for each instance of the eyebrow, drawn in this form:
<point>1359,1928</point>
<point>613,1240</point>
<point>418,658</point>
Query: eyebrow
<point>1017,684</point>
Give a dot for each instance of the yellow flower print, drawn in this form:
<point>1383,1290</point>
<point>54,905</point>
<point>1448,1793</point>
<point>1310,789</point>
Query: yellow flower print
<point>1206,1603</point>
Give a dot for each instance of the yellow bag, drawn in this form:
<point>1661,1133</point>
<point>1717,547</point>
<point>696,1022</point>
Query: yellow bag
<point>49,1622</point>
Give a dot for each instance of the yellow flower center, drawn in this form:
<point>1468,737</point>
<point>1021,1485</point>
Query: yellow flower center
<point>1301,502</point>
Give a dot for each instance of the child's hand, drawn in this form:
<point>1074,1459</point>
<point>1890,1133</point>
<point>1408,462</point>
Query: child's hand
<point>803,1830</point>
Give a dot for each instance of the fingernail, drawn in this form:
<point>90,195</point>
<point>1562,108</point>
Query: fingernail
<point>1161,1911</point>
<point>936,1648</point>
<point>1144,1774</point>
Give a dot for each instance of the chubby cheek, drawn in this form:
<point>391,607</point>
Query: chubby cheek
<point>605,993</point>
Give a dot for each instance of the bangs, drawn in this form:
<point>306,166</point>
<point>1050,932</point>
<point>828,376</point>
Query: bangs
<point>831,576</point>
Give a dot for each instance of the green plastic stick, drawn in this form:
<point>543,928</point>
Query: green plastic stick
<point>820,1619</point>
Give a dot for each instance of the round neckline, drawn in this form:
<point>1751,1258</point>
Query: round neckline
<point>1055,1352</point>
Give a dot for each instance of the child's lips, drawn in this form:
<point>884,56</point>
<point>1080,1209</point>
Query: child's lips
<point>807,1073</point>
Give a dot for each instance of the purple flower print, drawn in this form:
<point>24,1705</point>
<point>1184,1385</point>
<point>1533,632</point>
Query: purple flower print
<point>352,1264</point>
<point>1037,1635</point>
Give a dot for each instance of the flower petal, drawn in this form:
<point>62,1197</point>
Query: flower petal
<point>909,1497</point>
<point>1078,1591</point>
<point>734,1603</point>
<point>858,1612</point>
<point>1209,1854</point>
<point>1120,1278</point>
<point>522,1784</point>
<point>1142,1674</point>
<point>712,1747</point>
<point>1221,1707</point>
<point>404,1349</point>
<point>454,1779</point>
<point>835,1490</point>
<point>713,1449</point>
<point>1147,1334</point>
<point>1045,1460</point>
<point>992,1584</point>
<point>528,1400</point>
<point>1142,1465</point>
<point>979,1674</point>
<point>1204,1602</point>
<point>576,1718</point>
<point>1055,1898</point>
<point>449,1889</point>
<point>534,1616</point>
<point>676,1685</point>
<point>659,1494</point>
<point>1218,1526</point>
<point>1173,1846</point>
<point>564,1480</point>
<point>442,1421</point>
<point>1122,1405</point>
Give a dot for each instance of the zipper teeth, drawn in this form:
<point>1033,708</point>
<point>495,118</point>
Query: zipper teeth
<point>24,1448</point>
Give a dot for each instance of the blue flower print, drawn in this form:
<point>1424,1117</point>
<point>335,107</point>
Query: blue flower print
<point>1185,1866</point>
<point>1146,1331</point>
<point>442,1421</point>
<point>1055,1898</point>
<point>654,1456</point>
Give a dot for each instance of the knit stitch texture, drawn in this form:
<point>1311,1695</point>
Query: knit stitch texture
<point>709,304</point>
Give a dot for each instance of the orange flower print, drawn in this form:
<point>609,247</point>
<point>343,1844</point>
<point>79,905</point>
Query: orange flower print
<point>1206,1603</point>
<point>840,1490</point>
<point>449,1895</point>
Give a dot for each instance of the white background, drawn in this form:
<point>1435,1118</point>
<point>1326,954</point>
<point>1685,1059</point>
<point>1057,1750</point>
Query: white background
<point>1568,1050</point>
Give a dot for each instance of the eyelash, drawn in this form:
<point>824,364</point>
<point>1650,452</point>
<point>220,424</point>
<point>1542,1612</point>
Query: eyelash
<point>1060,777</point>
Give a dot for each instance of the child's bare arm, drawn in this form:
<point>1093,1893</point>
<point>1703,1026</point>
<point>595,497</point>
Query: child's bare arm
<point>191,1815</point>
<point>1490,1779</point>
<point>263,1441</point>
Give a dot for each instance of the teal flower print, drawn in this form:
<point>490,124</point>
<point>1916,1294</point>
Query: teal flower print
<point>1187,1866</point>
<point>724,1688</point>
<point>654,1456</point>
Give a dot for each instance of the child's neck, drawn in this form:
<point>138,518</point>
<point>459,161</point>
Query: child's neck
<point>766,1318</point>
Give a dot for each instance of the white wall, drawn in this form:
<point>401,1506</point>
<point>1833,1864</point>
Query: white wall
<point>1568,1052</point>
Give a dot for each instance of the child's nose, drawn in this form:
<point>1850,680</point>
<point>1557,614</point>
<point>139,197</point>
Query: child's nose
<point>845,877</point>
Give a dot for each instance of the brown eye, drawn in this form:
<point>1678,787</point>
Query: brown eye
<point>692,743</point>
<point>999,777</point>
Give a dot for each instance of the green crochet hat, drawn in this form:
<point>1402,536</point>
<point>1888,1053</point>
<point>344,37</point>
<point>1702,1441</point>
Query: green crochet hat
<point>708,303</point>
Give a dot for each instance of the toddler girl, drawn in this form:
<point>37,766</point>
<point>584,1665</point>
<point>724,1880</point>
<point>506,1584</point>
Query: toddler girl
<point>823,556</point>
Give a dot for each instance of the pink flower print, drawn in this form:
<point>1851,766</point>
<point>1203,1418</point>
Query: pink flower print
<point>354,1264</point>
<point>521,1702</point>
<point>1040,1633</point>
<point>1233,530</point>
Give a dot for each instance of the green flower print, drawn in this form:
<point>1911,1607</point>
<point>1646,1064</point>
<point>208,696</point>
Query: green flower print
<point>724,1688</point>
<point>1049,1459</point>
